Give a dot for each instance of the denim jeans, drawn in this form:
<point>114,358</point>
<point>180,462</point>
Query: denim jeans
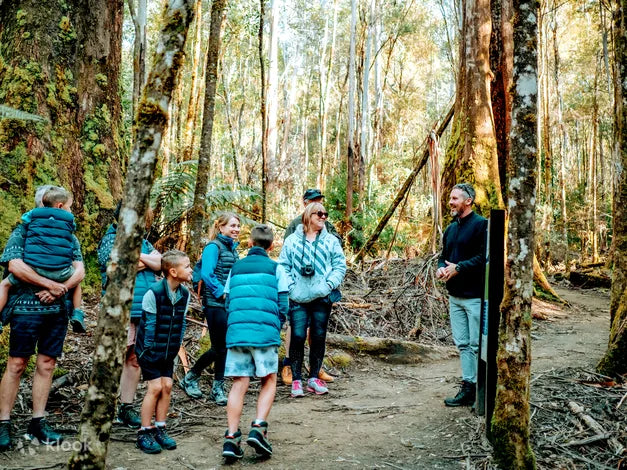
<point>465,324</point>
<point>314,314</point>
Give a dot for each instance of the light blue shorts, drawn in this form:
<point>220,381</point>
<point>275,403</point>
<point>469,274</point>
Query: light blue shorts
<point>251,362</point>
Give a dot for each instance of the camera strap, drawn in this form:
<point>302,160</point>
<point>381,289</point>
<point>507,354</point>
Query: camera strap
<point>315,245</point>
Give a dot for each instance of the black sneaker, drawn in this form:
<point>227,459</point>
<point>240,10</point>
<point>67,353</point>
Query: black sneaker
<point>465,396</point>
<point>165,441</point>
<point>147,443</point>
<point>258,439</point>
<point>128,416</point>
<point>41,430</point>
<point>5,435</point>
<point>232,449</point>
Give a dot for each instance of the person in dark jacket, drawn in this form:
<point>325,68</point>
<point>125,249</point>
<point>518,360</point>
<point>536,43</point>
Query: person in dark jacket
<point>257,305</point>
<point>148,268</point>
<point>462,266</point>
<point>159,337</point>
<point>48,248</point>
<point>217,260</point>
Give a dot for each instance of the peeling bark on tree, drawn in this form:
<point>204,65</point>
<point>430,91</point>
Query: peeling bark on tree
<point>615,360</point>
<point>510,421</point>
<point>152,117</point>
<point>198,212</point>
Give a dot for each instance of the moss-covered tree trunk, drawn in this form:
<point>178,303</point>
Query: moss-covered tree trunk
<point>199,213</point>
<point>61,60</point>
<point>614,361</point>
<point>471,153</point>
<point>152,117</point>
<point>510,421</point>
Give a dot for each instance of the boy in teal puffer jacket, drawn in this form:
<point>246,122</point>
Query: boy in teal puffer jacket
<point>48,248</point>
<point>257,306</point>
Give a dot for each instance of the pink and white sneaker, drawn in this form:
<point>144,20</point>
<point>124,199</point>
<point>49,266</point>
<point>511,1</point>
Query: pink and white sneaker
<point>297,389</point>
<point>319,387</point>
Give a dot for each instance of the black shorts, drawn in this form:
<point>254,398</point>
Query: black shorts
<point>44,333</point>
<point>156,369</point>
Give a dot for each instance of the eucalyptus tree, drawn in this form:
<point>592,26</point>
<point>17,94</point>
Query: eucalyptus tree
<point>61,60</point>
<point>614,362</point>
<point>110,339</point>
<point>510,421</point>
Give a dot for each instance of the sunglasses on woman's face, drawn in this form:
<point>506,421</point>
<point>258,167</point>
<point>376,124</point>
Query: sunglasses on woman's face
<point>322,214</point>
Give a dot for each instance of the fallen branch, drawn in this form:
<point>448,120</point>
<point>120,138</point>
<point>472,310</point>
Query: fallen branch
<point>392,350</point>
<point>578,410</point>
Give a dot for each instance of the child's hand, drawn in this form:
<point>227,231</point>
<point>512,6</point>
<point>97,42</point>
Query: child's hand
<point>141,265</point>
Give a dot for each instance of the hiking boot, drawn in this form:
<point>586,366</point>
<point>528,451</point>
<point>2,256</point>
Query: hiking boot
<point>189,384</point>
<point>165,441</point>
<point>465,396</point>
<point>324,376</point>
<point>297,389</point>
<point>147,443</point>
<point>5,435</point>
<point>77,321</point>
<point>232,449</point>
<point>286,375</point>
<point>258,439</point>
<point>41,430</point>
<point>218,394</point>
<point>128,416</point>
<point>317,386</point>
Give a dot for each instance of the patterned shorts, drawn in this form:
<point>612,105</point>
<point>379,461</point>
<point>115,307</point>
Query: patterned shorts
<point>251,362</point>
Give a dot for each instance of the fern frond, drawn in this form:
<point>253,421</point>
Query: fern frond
<point>6,112</point>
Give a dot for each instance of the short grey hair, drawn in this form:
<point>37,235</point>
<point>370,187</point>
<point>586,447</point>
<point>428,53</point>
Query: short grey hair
<point>39,194</point>
<point>467,189</point>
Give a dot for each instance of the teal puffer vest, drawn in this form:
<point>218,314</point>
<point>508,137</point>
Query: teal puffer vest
<point>164,342</point>
<point>49,241</point>
<point>227,256</point>
<point>253,319</point>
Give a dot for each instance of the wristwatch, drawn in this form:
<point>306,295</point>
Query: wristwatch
<point>457,267</point>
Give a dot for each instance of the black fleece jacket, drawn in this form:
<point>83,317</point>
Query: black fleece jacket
<point>464,243</point>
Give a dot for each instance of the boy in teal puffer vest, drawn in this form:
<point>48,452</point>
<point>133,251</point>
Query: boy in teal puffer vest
<point>159,337</point>
<point>257,305</point>
<point>48,248</point>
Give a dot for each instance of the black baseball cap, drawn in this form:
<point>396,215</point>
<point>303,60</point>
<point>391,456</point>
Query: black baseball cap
<point>312,194</point>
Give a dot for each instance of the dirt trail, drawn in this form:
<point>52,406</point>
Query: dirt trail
<point>376,416</point>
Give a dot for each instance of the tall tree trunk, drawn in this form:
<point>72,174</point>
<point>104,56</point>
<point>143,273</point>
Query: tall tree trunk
<point>264,117</point>
<point>365,102</point>
<point>272,94</point>
<point>199,207</point>
<point>61,60</point>
<point>197,67</point>
<point>614,362</point>
<point>510,421</point>
<point>471,154</point>
<point>139,48</point>
<point>501,63</point>
<point>350,168</point>
<point>592,177</point>
<point>562,137</point>
<point>108,357</point>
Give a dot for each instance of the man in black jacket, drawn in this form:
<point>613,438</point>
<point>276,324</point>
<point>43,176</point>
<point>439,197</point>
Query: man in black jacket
<point>462,266</point>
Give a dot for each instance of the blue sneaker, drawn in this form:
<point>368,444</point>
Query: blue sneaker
<point>147,443</point>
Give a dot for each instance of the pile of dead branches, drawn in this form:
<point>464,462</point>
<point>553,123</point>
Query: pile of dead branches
<point>578,420</point>
<point>395,298</point>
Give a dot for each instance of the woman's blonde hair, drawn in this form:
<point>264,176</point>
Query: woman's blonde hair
<point>221,221</point>
<point>309,210</point>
